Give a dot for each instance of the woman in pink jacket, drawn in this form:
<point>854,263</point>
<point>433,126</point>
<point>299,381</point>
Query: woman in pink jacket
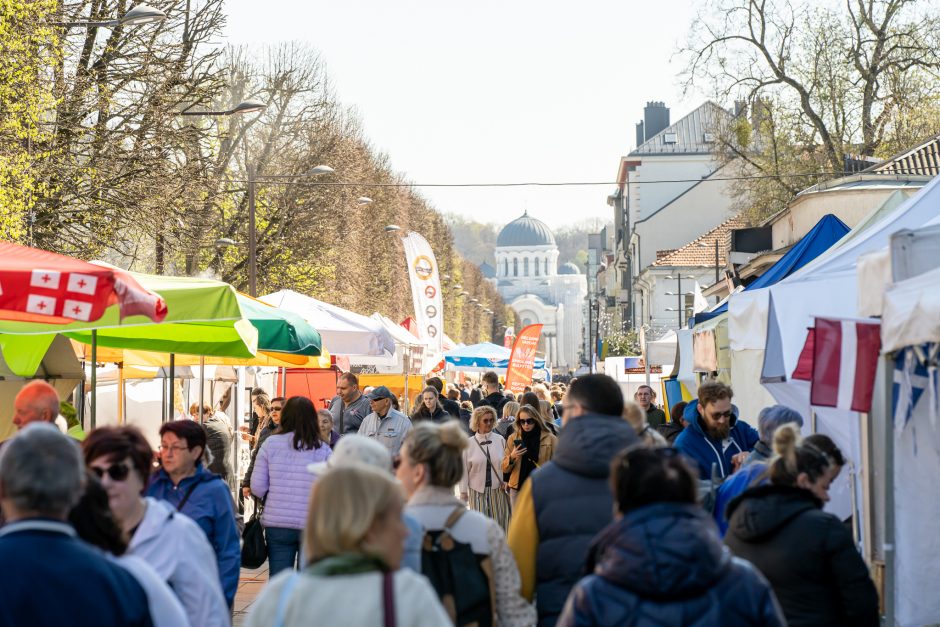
<point>280,477</point>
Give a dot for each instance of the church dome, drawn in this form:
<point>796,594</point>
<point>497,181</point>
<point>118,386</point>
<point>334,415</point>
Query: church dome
<point>525,231</point>
<point>568,268</point>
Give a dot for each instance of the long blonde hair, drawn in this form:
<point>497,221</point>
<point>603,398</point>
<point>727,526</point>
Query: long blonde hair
<point>344,504</point>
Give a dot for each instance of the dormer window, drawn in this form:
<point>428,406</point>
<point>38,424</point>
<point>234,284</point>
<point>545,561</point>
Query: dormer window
<point>669,138</point>
<point>708,138</point>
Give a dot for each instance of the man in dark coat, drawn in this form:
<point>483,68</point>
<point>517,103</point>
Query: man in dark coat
<point>58,579</point>
<point>715,436</point>
<point>567,502</point>
<point>494,398</point>
<point>655,417</point>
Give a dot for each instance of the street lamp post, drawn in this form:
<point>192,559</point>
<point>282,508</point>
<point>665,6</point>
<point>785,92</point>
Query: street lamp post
<point>680,296</point>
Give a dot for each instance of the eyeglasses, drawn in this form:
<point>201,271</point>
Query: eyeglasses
<point>722,414</point>
<point>176,448</point>
<point>526,421</point>
<point>488,421</point>
<point>117,472</point>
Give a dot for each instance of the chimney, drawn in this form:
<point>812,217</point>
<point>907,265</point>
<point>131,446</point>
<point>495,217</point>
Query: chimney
<point>640,135</point>
<point>655,117</point>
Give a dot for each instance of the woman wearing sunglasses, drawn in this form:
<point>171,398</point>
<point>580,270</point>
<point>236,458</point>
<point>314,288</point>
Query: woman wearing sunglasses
<point>531,446</point>
<point>482,484</point>
<point>171,543</point>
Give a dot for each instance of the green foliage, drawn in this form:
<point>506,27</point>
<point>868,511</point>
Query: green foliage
<point>621,344</point>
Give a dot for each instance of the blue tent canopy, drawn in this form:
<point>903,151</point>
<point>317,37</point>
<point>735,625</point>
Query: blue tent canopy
<point>484,355</point>
<point>821,237</point>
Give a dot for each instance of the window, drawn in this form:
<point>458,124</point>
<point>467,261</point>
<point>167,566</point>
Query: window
<point>708,138</point>
<point>546,266</point>
<point>505,267</point>
<point>669,138</point>
<point>536,264</point>
<point>515,266</point>
<point>525,267</point>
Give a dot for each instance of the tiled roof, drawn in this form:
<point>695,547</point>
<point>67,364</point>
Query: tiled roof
<point>693,255</point>
<point>689,133</point>
<point>923,159</point>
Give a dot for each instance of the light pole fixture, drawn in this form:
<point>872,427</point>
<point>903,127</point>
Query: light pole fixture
<point>245,106</point>
<point>140,14</point>
<point>320,169</point>
<point>225,241</point>
<point>392,228</point>
<point>364,200</point>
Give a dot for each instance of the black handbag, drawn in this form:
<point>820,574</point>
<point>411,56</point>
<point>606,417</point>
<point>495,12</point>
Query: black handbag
<point>254,548</point>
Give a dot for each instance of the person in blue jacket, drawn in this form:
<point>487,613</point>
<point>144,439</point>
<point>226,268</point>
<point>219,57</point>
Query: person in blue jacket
<point>185,483</point>
<point>715,435</point>
<point>660,562</point>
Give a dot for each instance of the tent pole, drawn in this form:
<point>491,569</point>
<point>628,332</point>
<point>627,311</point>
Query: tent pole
<point>94,376</point>
<point>284,382</point>
<point>236,443</point>
<point>172,394</point>
<point>406,357</point>
<point>202,388</point>
<point>120,393</point>
<point>889,439</point>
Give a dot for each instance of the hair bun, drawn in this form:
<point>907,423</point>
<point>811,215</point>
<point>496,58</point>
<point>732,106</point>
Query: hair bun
<point>786,438</point>
<point>453,436</point>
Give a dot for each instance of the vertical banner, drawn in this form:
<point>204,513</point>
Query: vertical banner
<point>522,358</point>
<point>426,294</point>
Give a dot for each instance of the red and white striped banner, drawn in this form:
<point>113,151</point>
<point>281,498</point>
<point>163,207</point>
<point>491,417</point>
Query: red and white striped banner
<point>844,357</point>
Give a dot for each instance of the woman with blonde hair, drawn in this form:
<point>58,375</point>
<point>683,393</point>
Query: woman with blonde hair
<point>636,417</point>
<point>478,573</point>
<point>505,425</point>
<point>532,446</point>
<point>482,484</point>
<point>353,542</point>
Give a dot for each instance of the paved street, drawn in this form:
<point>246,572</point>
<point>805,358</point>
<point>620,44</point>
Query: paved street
<point>249,586</point>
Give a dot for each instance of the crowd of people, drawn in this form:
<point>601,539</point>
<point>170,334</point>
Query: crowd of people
<point>563,505</point>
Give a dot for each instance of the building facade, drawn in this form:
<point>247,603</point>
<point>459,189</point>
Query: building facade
<point>529,280</point>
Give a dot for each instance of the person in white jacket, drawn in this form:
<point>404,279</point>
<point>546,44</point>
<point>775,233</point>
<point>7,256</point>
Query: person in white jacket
<point>95,524</point>
<point>353,543</point>
<point>170,542</point>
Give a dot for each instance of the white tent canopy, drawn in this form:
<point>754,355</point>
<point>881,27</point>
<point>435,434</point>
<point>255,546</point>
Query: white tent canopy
<point>662,352</point>
<point>407,347</point>
<point>343,332</point>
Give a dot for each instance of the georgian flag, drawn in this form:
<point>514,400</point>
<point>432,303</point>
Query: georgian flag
<point>77,310</point>
<point>38,304</point>
<point>840,357</point>
<point>46,279</point>
<point>82,283</point>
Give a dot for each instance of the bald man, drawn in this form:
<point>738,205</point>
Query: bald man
<point>37,402</point>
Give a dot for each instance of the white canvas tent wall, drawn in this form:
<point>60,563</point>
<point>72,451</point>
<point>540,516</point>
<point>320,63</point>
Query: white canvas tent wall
<point>343,332</point>
<point>407,348</point>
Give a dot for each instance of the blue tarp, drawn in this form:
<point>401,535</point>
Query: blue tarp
<point>821,237</point>
<point>484,355</point>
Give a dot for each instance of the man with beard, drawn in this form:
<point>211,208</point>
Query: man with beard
<point>715,436</point>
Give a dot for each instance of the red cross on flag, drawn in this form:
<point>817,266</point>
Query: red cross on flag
<point>39,286</point>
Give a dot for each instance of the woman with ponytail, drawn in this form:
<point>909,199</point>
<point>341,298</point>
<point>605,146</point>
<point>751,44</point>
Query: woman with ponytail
<point>808,555</point>
<point>464,553</point>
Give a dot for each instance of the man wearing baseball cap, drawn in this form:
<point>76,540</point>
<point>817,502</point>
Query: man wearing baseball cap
<point>385,424</point>
<point>359,450</point>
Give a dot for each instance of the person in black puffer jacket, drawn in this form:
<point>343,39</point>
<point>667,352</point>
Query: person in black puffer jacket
<point>429,408</point>
<point>661,562</point>
<point>807,554</point>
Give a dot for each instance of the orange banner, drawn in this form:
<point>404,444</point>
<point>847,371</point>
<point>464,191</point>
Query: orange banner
<point>522,358</point>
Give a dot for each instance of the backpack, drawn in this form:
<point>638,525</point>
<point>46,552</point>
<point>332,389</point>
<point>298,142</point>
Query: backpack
<point>462,579</point>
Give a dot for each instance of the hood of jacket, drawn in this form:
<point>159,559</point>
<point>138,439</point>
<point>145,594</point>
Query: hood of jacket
<point>694,418</point>
<point>762,511</point>
<point>588,443</point>
<point>158,515</point>
<point>667,551</point>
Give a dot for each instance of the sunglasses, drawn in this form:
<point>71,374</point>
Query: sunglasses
<point>488,421</point>
<point>396,462</point>
<point>526,421</point>
<point>722,414</point>
<point>276,408</point>
<point>117,472</point>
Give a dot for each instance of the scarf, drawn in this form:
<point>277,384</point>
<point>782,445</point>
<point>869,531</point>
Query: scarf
<point>531,440</point>
<point>346,564</point>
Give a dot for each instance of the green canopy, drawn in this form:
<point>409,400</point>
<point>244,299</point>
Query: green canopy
<point>279,330</point>
<point>203,318</point>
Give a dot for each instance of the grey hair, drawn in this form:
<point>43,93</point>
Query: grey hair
<point>41,471</point>
<point>770,418</point>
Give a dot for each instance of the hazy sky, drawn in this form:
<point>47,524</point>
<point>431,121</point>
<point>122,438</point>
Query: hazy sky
<point>493,91</point>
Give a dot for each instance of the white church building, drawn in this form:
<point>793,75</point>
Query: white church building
<point>528,278</point>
